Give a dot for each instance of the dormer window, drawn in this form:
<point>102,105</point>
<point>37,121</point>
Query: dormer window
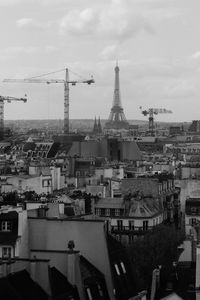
<point>100,290</point>
<point>6,226</point>
<point>123,267</point>
<point>89,294</point>
<point>117,269</point>
<point>6,252</point>
<point>107,212</point>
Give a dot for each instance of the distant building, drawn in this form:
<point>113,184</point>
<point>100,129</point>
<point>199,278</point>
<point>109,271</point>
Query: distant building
<point>13,232</point>
<point>130,216</point>
<point>97,129</point>
<point>41,150</point>
<point>174,130</point>
<point>195,126</point>
<point>192,215</point>
<point>114,149</point>
<point>160,186</point>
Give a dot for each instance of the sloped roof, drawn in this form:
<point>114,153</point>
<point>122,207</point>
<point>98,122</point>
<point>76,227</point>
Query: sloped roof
<point>182,282</point>
<point>88,269</point>
<point>20,286</point>
<point>93,279</point>
<point>110,203</point>
<point>144,208</point>
<point>172,296</point>
<point>60,286</point>
<point>124,282</point>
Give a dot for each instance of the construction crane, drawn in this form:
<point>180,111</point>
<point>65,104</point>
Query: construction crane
<point>9,100</point>
<point>151,112</point>
<point>66,83</point>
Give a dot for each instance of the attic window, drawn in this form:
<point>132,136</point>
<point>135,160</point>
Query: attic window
<point>89,294</point>
<point>123,267</point>
<point>6,252</point>
<point>117,212</point>
<point>6,226</point>
<point>117,269</point>
<point>100,290</point>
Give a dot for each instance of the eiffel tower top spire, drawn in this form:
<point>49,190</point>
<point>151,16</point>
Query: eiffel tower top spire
<point>117,96</point>
<point>117,119</point>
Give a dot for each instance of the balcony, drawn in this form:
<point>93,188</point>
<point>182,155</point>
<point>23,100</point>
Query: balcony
<point>125,230</point>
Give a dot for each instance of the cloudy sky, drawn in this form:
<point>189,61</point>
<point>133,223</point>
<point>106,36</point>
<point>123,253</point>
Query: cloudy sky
<point>156,42</point>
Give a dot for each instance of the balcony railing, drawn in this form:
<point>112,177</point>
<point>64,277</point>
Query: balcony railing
<point>130,231</point>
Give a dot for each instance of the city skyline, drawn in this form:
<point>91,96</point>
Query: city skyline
<point>156,44</point>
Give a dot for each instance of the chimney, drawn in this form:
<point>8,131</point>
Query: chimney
<point>2,269</point>
<point>73,268</point>
<point>9,267</point>
<point>72,259</point>
<point>155,284</point>
<point>193,247</point>
<point>197,283</point>
<point>33,268</point>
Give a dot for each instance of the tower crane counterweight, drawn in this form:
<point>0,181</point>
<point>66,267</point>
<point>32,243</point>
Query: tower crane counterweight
<point>151,112</point>
<point>9,100</point>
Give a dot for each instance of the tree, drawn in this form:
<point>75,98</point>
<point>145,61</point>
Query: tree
<point>157,247</point>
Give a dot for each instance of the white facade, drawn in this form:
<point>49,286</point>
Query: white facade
<point>136,222</point>
<point>190,221</point>
<point>20,248</point>
<point>39,184</point>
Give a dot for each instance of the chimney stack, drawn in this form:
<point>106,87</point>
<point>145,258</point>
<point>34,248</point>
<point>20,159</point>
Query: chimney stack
<point>197,283</point>
<point>73,268</point>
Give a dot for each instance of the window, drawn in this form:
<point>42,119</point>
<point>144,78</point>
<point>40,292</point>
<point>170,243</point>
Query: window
<point>119,224</point>
<point>107,212</point>
<point>117,269</point>
<point>193,221</point>
<point>131,225</point>
<point>6,226</point>
<point>100,290</point>
<point>89,294</point>
<point>145,225</point>
<point>123,267</point>
<point>6,252</point>
<point>46,183</point>
<point>193,210</point>
<point>117,212</point>
<point>112,212</point>
<point>103,210</point>
<point>160,188</point>
<point>98,211</point>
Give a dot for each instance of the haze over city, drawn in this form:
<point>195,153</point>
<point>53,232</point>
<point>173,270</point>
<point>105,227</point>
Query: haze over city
<point>155,42</point>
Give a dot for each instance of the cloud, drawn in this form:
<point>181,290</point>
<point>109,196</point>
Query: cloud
<point>195,55</point>
<point>24,22</point>
<point>9,2</point>
<point>50,49</point>
<point>79,22</point>
<point>109,52</point>
<point>29,22</point>
<point>5,3</point>
<point>113,21</point>
<point>119,20</point>
<point>15,51</point>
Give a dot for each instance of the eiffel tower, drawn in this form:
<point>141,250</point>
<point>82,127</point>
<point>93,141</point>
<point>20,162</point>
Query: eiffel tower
<point>117,119</point>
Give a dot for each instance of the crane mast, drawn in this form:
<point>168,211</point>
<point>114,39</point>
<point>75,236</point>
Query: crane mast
<point>9,100</point>
<point>151,112</point>
<point>66,83</point>
<point>66,103</point>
